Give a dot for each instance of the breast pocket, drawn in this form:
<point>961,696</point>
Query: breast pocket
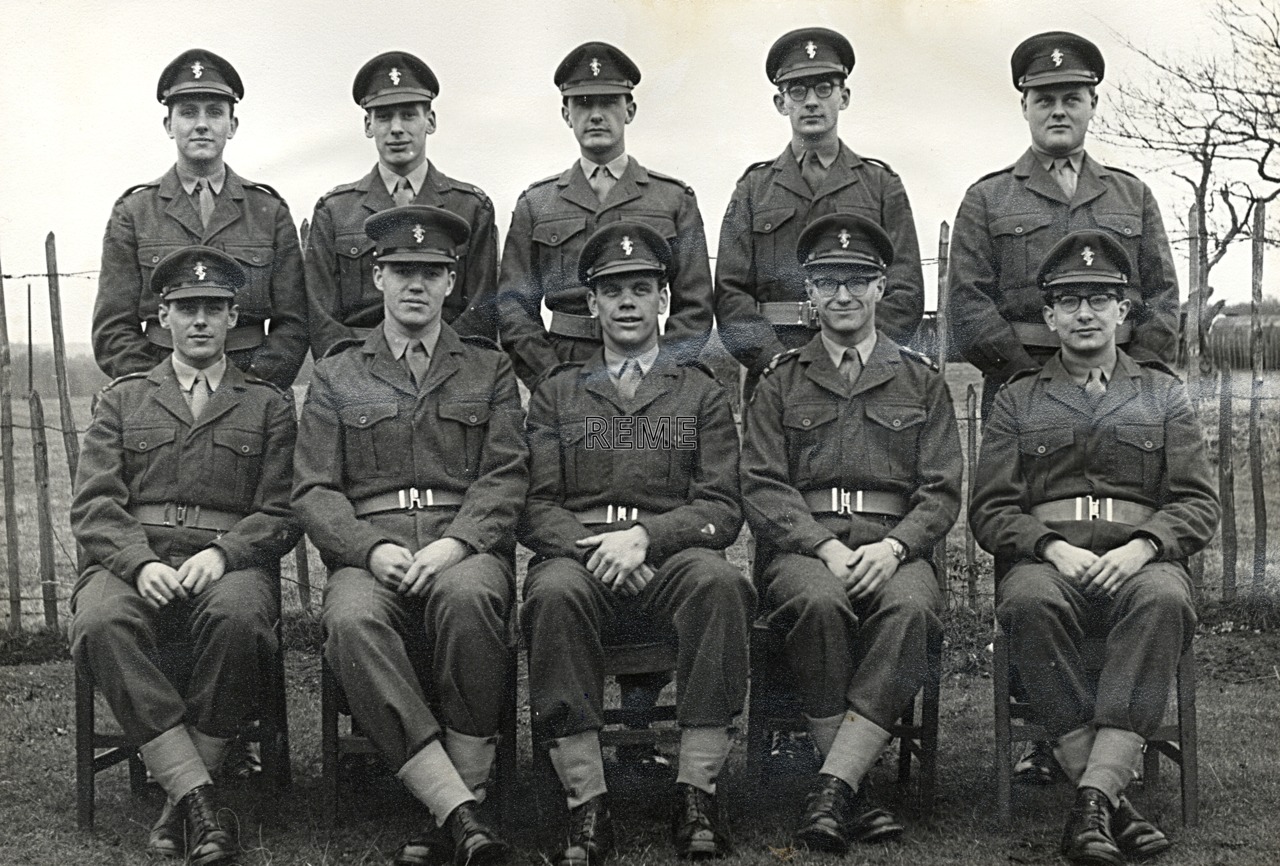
<point>355,270</point>
<point>377,440</point>
<point>1138,458</point>
<point>237,463</point>
<point>148,457</point>
<point>463,427</point>
<point>258,262</point>
<point>773,235</point>
<point>893,437</point>
<point>1042,450</point>
<point>813,442</point>
<point>587,455</point>
<point>1127,228</point>
<point>557,258</point>
<point>1021,242</point>
<point>149,255</point>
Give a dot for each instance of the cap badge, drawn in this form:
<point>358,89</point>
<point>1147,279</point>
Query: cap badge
<point>595,66</point>
<point>394,75</point>
<point>627,246</point>
<point>197,69</point>
<point>844,239</point>
<point>418,233</point>
<point>1087,255</point>
<point>1056,57</point>
<point>200,271</point>
<point>811,49</point>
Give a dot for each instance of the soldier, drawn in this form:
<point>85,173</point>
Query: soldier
<point>633,494</point>
<point>1010,219</point>
<point>1091,492</point>
<point>850,476</point>
<point>182,514</point>
<point>397,92</point>
<point>200,200</point>
<point>411,471</point>
<point>760,289</point>
<point>554,217</point>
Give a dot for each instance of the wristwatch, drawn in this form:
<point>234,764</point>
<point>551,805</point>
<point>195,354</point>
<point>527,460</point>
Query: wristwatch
<point>899,549</point>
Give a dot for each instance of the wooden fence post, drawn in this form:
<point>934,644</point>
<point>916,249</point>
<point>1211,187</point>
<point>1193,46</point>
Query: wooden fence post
<point>10,489</point>
<point>970,554</point>
<point>70,438</point>
<point>304,574</point>
<point>1255,403</point>
<point>1227,485</point>
<point>44,520</point>
<point>940,322</point>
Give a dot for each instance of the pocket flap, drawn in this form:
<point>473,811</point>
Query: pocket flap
<point>352,246</point>
<point>1021,224</point>
<point>896,416</point>
<point>253,257</point>
<point>553,233</point>
<point>1046,440</point>
<point>366,415</point>
<point>149,255</point>
<point>808,416</point>
<point>771,220</point>
<point>1127,225</point>
<point>1148,437</point>
<point>143,439</point>
<point>244,442</point>
<point>465,413</point>
<point>663,225</point>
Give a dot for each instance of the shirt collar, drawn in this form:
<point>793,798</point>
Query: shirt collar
<point>616,166</point>
<point>416,178</point>
<point>1080,373</point>
<point>399,343</point>
<point>1076,157</point>
<point>614,360</point>
<point>188,180</point>
<point>826,154</point>
<point>187,374</point>
<point>836,351</point>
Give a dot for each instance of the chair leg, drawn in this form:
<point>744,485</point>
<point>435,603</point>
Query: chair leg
<point>328,744</point>
<point>506,758</point>
<point>757,731</point>
<point>1187,739</point>
<point>1004,733</point>
<point>929,707</point>
<point>84,748</point>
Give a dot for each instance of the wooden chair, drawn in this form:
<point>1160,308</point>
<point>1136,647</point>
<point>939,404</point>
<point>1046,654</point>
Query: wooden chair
<point>1175,740</point>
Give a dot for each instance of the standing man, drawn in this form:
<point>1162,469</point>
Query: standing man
<point>1091,492</point>
<point>1010,219</point>
<point>633,497</point>
<point>397,92</point>
<point>182,513</point>
<point>554,218</point>
<point>410,475</point>
<point>761,304</point>
<point>200,200</point>
<point>850,476</point>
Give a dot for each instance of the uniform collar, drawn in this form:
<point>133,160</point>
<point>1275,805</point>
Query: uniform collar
<point>616,166</point>
<point>836,351</point>
<point>1080,374</point>
<point>187,374</point>
<point>399,343</point>
<point>614,361</point>
<point>416,178</point>
<point>1046,161</point>
<point>189,180</point>
<point>826,155</point>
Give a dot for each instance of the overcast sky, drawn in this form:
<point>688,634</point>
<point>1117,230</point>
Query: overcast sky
<point>932,96</point>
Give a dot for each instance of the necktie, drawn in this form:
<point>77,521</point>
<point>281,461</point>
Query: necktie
<point>403,193</point>
<point>1095,387</point>
<point>1065,173</point>
<point>812,171</point>
<point>418,362</point>
<point>205,196</point>
<point>199,395</point>
<point>602,182</point>
<point>850,365</point>
<point>629,378</point>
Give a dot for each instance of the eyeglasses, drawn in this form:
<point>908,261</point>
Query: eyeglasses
<point>827,287</point>
<point>799,91</point>
<point>1071,303</point>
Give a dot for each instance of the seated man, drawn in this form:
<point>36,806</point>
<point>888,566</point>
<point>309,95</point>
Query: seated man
<point>182,514</point>
<point>633,494</point>
<point>1091,492</point>
<point>850,476</point>
<point>411,471</point>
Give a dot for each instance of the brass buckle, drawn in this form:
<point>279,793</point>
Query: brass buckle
<point>846,502</point>
<point>809,315</point>
<point>411,498</point>
<point>618,513</point>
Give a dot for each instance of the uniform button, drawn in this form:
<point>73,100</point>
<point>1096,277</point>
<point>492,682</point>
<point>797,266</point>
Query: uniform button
<point>472,419</point>
<point>1128,230</point>
<point>155,259</point>
<point>244,449</point>
<point>555,238</point>
<point>897,422</point>
<point>1040,450</point>
<point>355,250</point>
<point>142,444</point>
<point>1148,444</point>
<point>1017,230</point>
<point>805,423</point>
<point>257,257</point>
<point>768,226</point>
<point>364,419</point>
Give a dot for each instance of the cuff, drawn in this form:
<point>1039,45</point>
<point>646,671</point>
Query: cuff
<point>1042,542</point>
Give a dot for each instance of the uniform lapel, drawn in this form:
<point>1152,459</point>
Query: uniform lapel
<point>628,186</point>
<point>434,186</point>
<point>1061,387</point>
<point>575,189</point>
<point>819,369</point>
<point>1036,179</point>
<point>179,207</point>
<point>384,366</point>
<point>446,362</point>
<point>226,205</point>
<point>1121,387</point>
<point>879,368</point>
<point>223,400</point>
<point>376,198</point>
<point>786,173</point>
<point>169,393</point>
<point>1089,184</point>
<point>656,383</point>
<point>597,381</point>
<point>843,172</point>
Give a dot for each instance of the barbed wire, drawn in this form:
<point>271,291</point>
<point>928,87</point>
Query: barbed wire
<point>79,274</point>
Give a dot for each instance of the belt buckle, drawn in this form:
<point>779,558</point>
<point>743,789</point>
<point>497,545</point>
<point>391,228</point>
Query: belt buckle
<point>1094,507</point>
<point>618,513</point>
<point>411,498</point>
<point>809,315</point>
<point>845,502</point>
<point>178,517</point>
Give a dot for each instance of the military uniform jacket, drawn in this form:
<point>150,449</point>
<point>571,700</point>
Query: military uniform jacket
<point>339,258</point>
<point>143,448</point>
<point>893,430</point>
<point>1006,226</point>
<point>367,430</point>
<point>673,451</point>
<point>251,223</point>
<point>1045,441</point>
<point>551,224</point>
<point>757,263</point>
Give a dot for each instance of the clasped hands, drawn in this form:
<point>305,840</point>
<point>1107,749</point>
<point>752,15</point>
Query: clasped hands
<point>159,584</point>
<point>395,567</point>
<point>1094,573</point>
<point>618,560</point>
<point>863,570</point>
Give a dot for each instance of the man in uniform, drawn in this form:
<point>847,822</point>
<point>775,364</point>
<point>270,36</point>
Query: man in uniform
<point>182,514</point>
<point>1010,219</point>
<point>554,217</point>
<point>761,305</point>
<point>633,494</point>
<point>411,471</point>
<point>850,476</point>
<point>396,91</point>
<point>1091,492</point>
<point>200,200</point>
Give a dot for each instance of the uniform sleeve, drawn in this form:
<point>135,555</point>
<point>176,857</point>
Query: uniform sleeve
<point>744,332</point>
<point>547,527</point>
<point>935,503</point>
<point>999,510</point>
<point>280,356</point>
<point>980,332</point>
<point>270,530</point>
<point>100,519</point>
<point>775,509</point>
<point>119,345</point>
<point>713,515</point>
<point>320,261</point>
<point>689,324</point>
<point>898,314</point>
<point>1156,336</point>
<point>520,293</point>
<point>480,318</point>
<point>495,499</point>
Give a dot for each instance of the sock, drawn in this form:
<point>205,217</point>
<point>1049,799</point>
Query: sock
<point>703,751</point>
<point>174,762</point>
<point>1112,762</point>
<point>823,732</point>
<point>579,766</point>
<point>473,758</point>
<point>857,745</point>
<point>1072,751</point>
<point>212,750</point>
<point>429,775</point>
